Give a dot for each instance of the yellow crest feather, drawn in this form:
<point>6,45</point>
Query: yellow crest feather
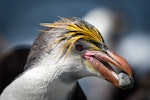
<point>76,30</point>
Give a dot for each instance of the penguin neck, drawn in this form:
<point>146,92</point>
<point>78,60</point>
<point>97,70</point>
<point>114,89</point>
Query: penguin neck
<point>54,77</point>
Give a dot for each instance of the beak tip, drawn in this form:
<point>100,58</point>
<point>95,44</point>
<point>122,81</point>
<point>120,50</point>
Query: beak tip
<point>125,80</point>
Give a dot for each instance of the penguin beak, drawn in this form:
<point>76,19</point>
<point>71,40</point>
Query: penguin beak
<point>101,62</point>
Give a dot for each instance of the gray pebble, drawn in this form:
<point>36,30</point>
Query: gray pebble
<point>125,81</point>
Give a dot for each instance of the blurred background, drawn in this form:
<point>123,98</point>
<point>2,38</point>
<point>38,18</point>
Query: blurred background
<point>125,26</point>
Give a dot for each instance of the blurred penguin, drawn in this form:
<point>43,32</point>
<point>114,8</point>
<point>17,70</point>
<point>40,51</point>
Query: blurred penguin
<point>135,48</point>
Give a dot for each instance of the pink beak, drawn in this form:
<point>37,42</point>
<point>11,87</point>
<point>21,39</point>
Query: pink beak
<point>100,61</point>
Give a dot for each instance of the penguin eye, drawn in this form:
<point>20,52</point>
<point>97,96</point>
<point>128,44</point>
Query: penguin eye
<point>79,47</point>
